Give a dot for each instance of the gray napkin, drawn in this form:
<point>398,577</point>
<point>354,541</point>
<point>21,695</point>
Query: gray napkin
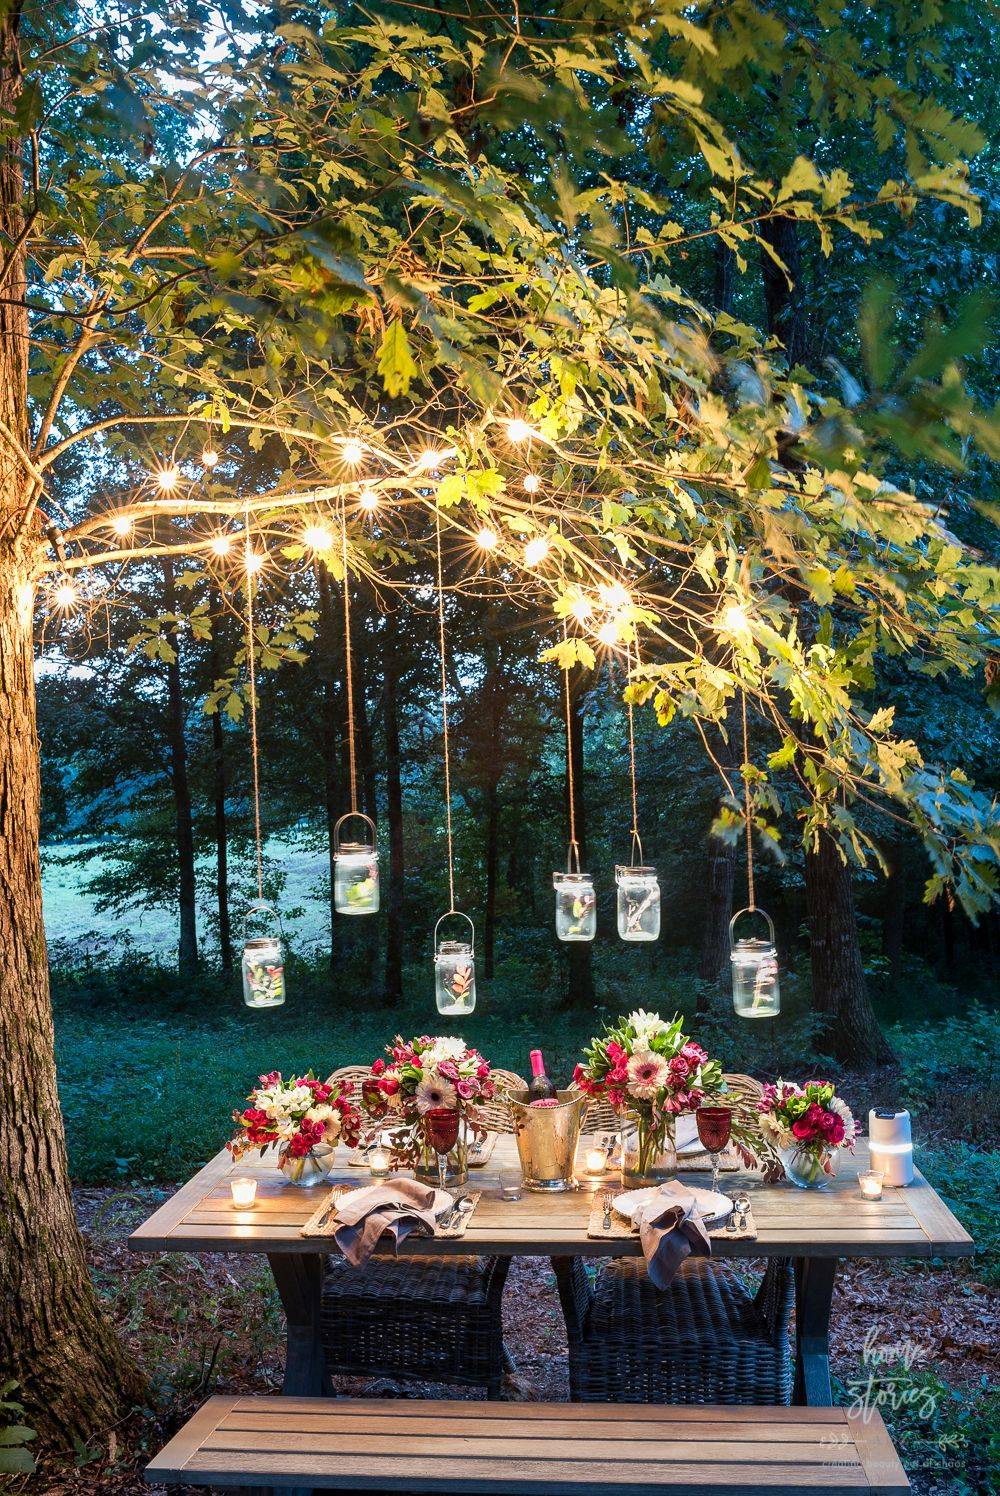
<point>670,1230</point>
<point>397,1210</point>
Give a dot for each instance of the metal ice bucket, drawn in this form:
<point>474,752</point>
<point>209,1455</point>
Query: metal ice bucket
<point>547,1137</point>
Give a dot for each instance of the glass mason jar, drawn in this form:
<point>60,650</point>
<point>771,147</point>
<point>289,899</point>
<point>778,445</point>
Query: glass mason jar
<point>576,906</point>
<point>756,989</point>
<point>638,903</point>
<point>355,876</point>
<point>263,963</point>
<point>455,968</point>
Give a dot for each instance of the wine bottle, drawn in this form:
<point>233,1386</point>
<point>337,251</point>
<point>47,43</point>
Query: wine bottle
<point>540,1088</point>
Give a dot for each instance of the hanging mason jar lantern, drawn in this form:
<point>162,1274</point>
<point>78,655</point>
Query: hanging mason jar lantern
<point>756,992</point>
<point>576,906</point>
<point>638,903</point>
<point>263,963</point>
<point>455,969</point>
<point>355,875</point>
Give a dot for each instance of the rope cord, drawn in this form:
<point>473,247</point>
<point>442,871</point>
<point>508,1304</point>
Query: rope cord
<point>636,838</point>
<point>752,904</point>
<point>254,750</point>
<point>573,851</point>
<point>444,715</point>
<point>351,759</point>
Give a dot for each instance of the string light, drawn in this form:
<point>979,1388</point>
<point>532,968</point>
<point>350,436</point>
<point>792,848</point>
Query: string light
<point>487,539</point>
<point>318,537</point>
<point>519,431</point>
<point>532,483</point>
<point>168,478</point>
<point>121,523</point>
<point>430,459</point>
<point>222,544</point>
<point>734,619</point>
<point>209,458</point>
<point>65,596</point>
<point>615,596</point>
<point>536,551</point>
<point>253,561</point>
<point>352,452</point>
<point>608,633</point>
<point>581,608</point>
<point>369,500</point>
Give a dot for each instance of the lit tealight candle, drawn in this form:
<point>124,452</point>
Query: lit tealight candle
<point>870,1181</point>
<point>596,1160</point>
<point>378,1163</point>
<point>244,1193</point>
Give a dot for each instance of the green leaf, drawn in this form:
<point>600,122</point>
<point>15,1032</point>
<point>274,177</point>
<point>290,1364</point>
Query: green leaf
<point>395,362</point>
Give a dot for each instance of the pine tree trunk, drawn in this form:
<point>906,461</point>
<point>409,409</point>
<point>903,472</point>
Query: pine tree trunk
<point>219,802</point>
<point>74,1376</point>
<point>494,708</point>
<point>187,943</point>
<point>580,953</point>
<point>394,930</point>
<point>839,990</point>
<point>331,733</point>
<point>784,303</point>
<point>713,962</point>
<point>894,912</point>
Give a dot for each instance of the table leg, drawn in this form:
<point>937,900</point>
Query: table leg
<point>814,1279</point>
<point>299,1280</point>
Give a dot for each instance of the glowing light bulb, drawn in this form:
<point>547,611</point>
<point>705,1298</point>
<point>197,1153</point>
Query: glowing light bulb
<point>536,551</point>
<point>222,544</point>
<point>368,499</point>
<point>532,483</point>
<point>252,561</point>
<point>318,537</point>
<point>487,539</point>
<point>608,633</point>
<point>519,431</point>
<point>615,596</point>
<point>734,619</point>
<point>65,596</point>
<point>429,459</point>
<point>209,458</point>
<point>121,523</point>
<point>168,478</point>
<point>352,452</point>
<point>581,608</point>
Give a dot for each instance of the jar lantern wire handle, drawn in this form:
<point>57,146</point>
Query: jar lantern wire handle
<point>750,909</point>
<point>261,906</point>
<point>352,815</point>
<point>456,914</point>
<point>573,850</point>
<point>636,838</point>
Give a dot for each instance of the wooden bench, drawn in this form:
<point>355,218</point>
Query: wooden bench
<point>536,1449</point>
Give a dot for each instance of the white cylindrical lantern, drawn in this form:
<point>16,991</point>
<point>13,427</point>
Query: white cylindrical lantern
<point>756,990</point>
<point>263,963</point>
<point>890,1146</point>
<point>576,906</point>
<point>355,870</point>
<point>455,970</point>
<point>638,903</point>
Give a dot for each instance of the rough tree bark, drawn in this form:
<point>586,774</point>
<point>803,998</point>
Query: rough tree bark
<point>839,991</point>
<point>580,953</point>
<point>394,928</point>
<point>494,766</point>
<point>331,730</point>
<point>784,303</point>
<point>187,940</point>
<point>219,788</point>
<point>74,1377</point>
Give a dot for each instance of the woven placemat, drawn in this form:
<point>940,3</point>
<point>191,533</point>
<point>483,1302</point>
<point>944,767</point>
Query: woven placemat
<point>622,1230</point>
<point>323,1221</point>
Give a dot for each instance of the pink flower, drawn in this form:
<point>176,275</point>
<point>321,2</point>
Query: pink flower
<point>615,1053</point>
<point>483,1070</point>
<point>465,1089</point>
<point>378,1067</point>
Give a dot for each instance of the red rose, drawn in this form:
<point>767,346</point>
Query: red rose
<point>483,1070</point>
<point>389,1085</point>
<point>378,1067</point>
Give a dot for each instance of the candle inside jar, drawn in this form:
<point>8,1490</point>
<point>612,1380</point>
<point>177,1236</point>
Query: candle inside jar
<point>871,1184</point>
<point>596,1160</point>
<point>378,1163</point>
<point>244,1193</point>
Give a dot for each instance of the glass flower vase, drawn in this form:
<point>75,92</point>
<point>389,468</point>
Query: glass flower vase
<point>308,1170</point>
<point>649,1152</point>
<point>807,1169</point>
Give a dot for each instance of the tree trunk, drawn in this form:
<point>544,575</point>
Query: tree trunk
<point>580,953</point>
<point>494,708</point>
<point>839,991</point>
<point>219,802</point>
<point>723,277</point>
<point>393,993</point>
<point>331,732</point>
<point>187,943</point>
<point>713,963</point>
<point>894,912</point>
<point>73,1376</point>
<point>784,304</point>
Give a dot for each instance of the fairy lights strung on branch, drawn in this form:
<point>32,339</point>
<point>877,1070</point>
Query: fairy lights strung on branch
<point>209,458</point>
<point>168,478</point>
<point>355,863</point>
<point>454,960</point>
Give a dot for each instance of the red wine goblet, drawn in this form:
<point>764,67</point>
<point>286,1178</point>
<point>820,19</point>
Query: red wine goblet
<point>441,1126</point>
<point>715,1127</point>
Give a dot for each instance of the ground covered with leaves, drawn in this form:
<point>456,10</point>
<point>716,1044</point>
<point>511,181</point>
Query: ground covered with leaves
<point>204,1324</point>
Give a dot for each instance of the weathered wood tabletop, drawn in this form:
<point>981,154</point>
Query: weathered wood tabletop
<point>814,1227</point>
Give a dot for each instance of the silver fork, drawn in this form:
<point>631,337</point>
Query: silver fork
<point>606,1223</point>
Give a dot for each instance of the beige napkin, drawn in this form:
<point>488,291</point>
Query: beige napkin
<point>670,1230</point>
<point>396,1210</point>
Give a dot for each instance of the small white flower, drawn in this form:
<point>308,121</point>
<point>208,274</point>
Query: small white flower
<point>645,1025</point>
<point>845,1114</point>
<point>444,1048</point>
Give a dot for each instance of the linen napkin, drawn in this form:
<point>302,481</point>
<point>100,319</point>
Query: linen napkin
<point>397,1210</point>
<point>670,1230</point>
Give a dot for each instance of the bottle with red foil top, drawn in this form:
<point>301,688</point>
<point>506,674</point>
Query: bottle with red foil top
<point>540,1089</point>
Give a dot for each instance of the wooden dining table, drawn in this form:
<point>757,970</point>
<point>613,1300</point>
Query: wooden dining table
<point>816,1228</point>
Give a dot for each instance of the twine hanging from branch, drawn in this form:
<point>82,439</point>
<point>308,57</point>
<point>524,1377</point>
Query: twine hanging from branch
<point>752,905</point>
<point>348,658</point>
<point>252,665</point>
<point>444,714</point>
<point>573,851</point>
<point>636,838</point>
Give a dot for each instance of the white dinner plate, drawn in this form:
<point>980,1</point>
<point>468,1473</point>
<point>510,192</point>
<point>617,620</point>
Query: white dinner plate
<point>713,1206</point>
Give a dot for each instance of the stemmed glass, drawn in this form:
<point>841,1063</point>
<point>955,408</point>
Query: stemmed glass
<point>715,1126</point>
<point>442,1133</point>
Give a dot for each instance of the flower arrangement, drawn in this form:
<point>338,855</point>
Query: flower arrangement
<point>298,1116</point>
<point>422,1076</point>
<point>651,1069</point>
<point>806,1125</point>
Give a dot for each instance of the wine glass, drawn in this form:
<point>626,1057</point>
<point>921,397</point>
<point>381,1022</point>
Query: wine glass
<point>441,1123</point>
<point>715,1126</point>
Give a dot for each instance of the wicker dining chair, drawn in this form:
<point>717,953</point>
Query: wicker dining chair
<point>419,1318</point>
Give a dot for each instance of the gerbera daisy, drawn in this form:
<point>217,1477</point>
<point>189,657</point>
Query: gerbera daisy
<point>434,1091</point>
<point>647,1072</point>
